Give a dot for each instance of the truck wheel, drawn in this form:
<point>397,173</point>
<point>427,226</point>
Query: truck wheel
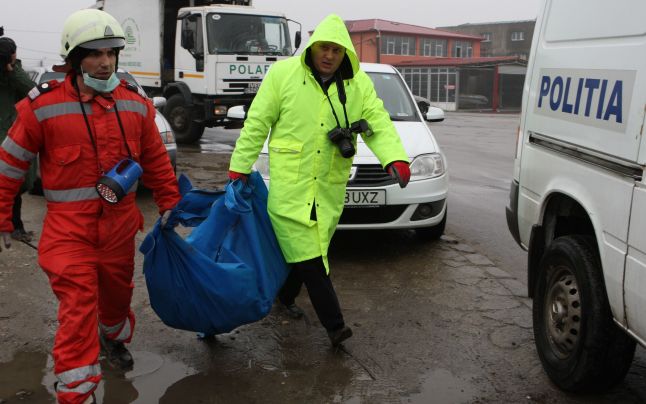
<point>181,120</point>
<point>579,345</point>
<point>433,232</point>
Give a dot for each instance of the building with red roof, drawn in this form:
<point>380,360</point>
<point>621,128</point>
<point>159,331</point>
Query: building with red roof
<point>444,66</point>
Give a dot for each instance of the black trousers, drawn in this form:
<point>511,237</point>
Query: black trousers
<point>319,287</point>
<point>16,212</point>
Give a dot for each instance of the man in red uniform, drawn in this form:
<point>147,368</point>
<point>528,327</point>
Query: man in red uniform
<point>81,129</point>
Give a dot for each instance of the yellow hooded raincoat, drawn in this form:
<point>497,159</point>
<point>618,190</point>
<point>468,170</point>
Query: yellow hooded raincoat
<point>306,168</point>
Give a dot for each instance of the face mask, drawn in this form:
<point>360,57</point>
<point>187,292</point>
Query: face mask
<point>102,86</point>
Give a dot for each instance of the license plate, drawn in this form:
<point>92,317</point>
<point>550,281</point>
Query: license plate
<point>252,88</point>
<point>367,197</point>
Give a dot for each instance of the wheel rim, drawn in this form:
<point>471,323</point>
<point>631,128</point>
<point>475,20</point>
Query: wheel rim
<point>563,312</point>
<point>178,119</point>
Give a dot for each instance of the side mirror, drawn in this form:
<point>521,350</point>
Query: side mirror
<point>237,112</point>
<point>159,102</point>
<point>187,40</point>
<point>297,40</point>
<point>435,114</point>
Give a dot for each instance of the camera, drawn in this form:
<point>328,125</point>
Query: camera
<point>343,137</point>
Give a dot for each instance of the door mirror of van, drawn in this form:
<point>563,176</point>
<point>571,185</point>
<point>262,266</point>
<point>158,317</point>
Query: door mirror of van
<point>434,114</point>
<point>159,102</point>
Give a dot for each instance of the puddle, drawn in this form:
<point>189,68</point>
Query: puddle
<point>441,386</point>
<point>29,378</point>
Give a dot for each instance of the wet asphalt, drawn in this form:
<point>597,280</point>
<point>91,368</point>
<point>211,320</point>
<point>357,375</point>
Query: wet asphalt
<point>434,322</point>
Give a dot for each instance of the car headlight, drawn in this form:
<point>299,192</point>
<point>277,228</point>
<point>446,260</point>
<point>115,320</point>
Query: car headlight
<point>262,165</point>
<point>427,166</point>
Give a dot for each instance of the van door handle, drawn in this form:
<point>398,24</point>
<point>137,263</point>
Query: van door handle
<point>181,75</point>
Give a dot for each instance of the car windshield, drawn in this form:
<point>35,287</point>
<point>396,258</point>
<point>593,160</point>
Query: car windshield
<point>394,93</point>
<point>59,76</point>
<point>248,34</point>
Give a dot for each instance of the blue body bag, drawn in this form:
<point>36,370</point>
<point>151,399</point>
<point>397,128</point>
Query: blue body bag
<point>227,272</point>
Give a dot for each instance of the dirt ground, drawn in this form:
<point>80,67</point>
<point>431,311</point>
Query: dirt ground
<point>434,322</point>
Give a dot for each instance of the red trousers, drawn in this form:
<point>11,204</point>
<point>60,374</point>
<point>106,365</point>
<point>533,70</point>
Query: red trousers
<point>88,255</point>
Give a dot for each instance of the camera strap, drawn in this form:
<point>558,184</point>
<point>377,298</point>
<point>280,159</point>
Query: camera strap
<point>342,98</point>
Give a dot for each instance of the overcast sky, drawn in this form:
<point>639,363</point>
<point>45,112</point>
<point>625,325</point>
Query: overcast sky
<point>38,33</point>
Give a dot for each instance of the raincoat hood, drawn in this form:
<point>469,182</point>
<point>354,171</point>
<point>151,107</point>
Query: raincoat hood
<point>333,29</point>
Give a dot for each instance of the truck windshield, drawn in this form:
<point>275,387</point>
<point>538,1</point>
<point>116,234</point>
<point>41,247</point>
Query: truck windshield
<point>247,34</point>
<point>394,93</point>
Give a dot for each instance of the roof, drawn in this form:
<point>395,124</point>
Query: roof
<point>477,24</point>
<point>401,28</point>
<point>482,61</point>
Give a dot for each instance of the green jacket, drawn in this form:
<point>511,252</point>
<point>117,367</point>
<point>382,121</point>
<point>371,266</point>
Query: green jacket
<point>306,168</point>
<point>14,87</point>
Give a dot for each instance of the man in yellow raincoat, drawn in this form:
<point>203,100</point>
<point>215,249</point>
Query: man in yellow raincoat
<point>303,103</point>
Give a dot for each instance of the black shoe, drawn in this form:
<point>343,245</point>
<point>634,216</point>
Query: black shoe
<point>22,235</point>
<point>117,353</point>
<point>340,335</point>
<point>293,310</point>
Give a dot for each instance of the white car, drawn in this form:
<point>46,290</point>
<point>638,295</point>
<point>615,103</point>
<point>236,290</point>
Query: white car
<point>374,200</point>
<point>42,74</point>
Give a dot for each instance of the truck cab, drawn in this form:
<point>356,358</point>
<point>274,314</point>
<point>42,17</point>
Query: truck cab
<point>204,57</point>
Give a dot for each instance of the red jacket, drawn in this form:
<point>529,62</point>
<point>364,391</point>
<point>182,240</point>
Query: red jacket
<point>50,123</point>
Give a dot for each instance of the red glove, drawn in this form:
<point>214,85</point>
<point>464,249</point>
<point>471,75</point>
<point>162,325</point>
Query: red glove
<point>234,175</point>
<point>400,171</point>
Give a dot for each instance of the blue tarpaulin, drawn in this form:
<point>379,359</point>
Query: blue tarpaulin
<point>227,272</point>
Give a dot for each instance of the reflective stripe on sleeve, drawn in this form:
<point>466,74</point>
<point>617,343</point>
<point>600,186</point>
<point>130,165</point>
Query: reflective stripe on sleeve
<point>63,108</point>
<point>16,150</point>
<point>79,374</point>
<point>132,106</point>
<point>11,171</point>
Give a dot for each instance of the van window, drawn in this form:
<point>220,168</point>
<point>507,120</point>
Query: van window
<point>579,20</point>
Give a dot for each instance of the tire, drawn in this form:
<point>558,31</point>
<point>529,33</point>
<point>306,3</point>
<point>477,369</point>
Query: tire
<point>582,350</point>
<point>433,232</point>
<point>180,117</point>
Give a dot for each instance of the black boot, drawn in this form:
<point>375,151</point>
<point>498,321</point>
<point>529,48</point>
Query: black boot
<point>293,310</point>
<point>117,353</point>
<point>340,335</point>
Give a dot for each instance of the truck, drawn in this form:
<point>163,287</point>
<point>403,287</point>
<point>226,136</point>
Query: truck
<point>578,194</point>
<point>203,56</point>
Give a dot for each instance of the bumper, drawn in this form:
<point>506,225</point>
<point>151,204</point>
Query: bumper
<point>420,204</point>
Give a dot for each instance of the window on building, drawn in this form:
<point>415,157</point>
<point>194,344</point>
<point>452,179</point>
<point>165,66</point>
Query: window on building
<point>433,47</point>
<point>486,36</point>
<point>436,84</point>
<point>518,36</point>
<point>462,49</point>
<point>398,45</point>
<point>390,46</point>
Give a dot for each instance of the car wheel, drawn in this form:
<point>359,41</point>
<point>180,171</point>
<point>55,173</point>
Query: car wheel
<point>580,347</point>
<point>433,232</point>
<point>180,117</point>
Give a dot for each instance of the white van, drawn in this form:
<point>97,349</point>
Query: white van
<point>578,197</point>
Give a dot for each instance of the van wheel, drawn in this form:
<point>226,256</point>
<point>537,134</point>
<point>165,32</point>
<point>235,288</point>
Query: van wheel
<point>580,347</point>
<point>180,117</point>
<point>433,232</point>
